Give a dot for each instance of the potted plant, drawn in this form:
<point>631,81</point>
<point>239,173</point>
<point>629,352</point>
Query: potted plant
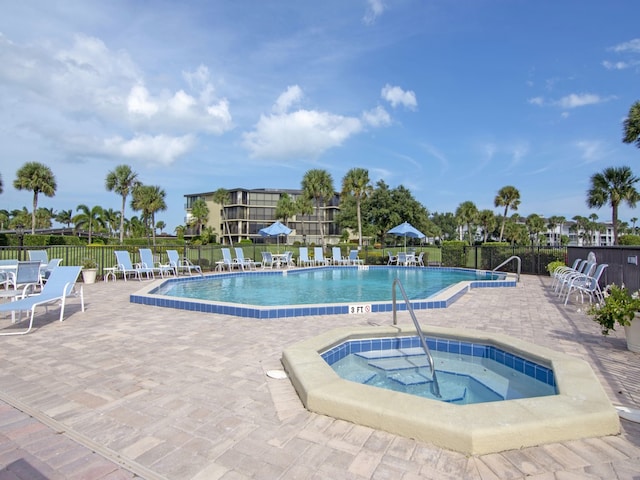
<point>619,307</point>
<point>553,266</point>
<point>89,270</point>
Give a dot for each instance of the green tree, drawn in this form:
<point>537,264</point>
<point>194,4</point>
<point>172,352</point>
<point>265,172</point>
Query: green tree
<point>304,206</point>
<point>535,225</point>
<point>613,186</point>
<point>38,178</point>
<point>112,220</point>
<point>88,218</point>
<point>64,217</point>
<point>509,198</point>
<point>632,125</point>
<point>447,224</point>
<point>161,226</point>
<point>200,213</point>
<point>487,221</point>
<point>221,196</point>
<point>467,214</point>
<point>285,208</point>
<point>1,185</point>
<point>553,222</point>
<point>122,180</point>
<point>356,183</point>
<point>317,185</point>
<point>150,199</point>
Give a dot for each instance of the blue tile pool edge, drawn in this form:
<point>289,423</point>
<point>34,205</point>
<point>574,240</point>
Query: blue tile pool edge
<point>443,299</point>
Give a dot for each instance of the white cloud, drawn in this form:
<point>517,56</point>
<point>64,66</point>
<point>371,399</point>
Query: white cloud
<point>536,101</point>
<point>302,134</point>
<point>630,46</point>
<point>374,10</point>
<point>378,117</point>
<point>590,150</point>
<point>575,100</point>
<point>615,65</point>
<point>159,149</point>
<point>138,102</point>
<point>290,97</point>
<point>397,96</point>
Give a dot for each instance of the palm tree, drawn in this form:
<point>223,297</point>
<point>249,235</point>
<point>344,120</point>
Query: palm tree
<point>535,225</point>
<point>613,186</point>
<point>633,222</point>
<point>487,220</point>
<point>122,180</point>
<point>1,185</point>
<point>356,182</point>
<point>507,197</point>
<point>285,208</point>
<point>317,185</point>
<point>161,226</point>
<point>304,206</point>
<point>632,125</point>
<point>88,218</point>
<point>112,220</point>
<point>37,178</point>
<point>467,214</point>
<point>200,213</point>
<point>221,196</point>
<point>64,217</point>
<point>149,199</point>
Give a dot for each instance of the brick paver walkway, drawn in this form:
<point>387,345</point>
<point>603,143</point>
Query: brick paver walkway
<point>124,391</point>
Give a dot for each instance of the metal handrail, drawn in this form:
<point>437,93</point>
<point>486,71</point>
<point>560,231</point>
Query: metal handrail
<point>512,257</point>
<point>435,388</point>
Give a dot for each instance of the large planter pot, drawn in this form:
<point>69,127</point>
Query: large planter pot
<point>633,334</point>
<point>89,275</point>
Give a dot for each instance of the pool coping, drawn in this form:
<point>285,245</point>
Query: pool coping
<point>581,408</point>
<point>442,299</point>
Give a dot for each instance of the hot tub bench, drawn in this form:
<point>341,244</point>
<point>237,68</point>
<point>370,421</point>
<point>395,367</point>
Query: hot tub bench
<point>581,408</point>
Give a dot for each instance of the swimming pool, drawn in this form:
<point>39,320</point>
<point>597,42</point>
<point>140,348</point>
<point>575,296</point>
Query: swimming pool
<point>466,372</point>
<point>579,409</point>
<point>316,291</point>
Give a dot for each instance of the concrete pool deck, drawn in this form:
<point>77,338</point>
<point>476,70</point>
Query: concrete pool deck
<point>126,390</point>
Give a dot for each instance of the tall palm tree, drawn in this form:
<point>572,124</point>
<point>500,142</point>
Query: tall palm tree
<point>304,206</point>
<point>200,212</point>
<point>112,220</point>
<point>64,217</point>
<point>633,222</point>
<point>507,197</point>
<point>122,180</point>
<point>613,186</point>
<point>149,199</point>
<point>89,218</point>
<point>356,182</point>
<point>1,185</point>
<point>632,125</point>
<point>285,208</point>
<point>317,185</point>
<point>37,178</point>
<point>221,196</point>
<point>487,220</point>
<point>467,214</point>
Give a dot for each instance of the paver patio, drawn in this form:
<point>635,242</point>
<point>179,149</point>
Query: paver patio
<point>124,391</point>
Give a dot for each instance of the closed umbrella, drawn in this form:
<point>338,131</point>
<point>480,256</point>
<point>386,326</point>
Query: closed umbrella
<point>275,230</point>
<point>406,230</point>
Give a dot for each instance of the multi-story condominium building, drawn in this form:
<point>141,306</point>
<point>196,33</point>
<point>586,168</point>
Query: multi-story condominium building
<point>249,210</point>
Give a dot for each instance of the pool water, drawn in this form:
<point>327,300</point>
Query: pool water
<point>319,285</point>
<point>483,374</point>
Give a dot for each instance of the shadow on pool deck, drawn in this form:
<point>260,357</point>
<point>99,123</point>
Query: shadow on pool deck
<point>127,389</point>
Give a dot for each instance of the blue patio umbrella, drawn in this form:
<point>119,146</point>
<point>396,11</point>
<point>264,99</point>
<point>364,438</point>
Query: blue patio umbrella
<point>275,230</point>
<point>406,230</point>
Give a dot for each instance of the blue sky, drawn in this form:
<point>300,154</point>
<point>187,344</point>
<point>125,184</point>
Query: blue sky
<point>452,99</point>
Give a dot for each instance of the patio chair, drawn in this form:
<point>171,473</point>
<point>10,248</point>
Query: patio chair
<point>245,261</point>
<point>586,268</point>
<point>303,257</point>
<point>354,259</point>
<point>61,284</point>
<point>336,256</point>
<point>267,260</point>
<point>587,285</point>
<point>182,264</point>
<point>558,272</point>
<point>7,267</point>
<point>393,259</point>
<point>39,256</point>
<point>287,260</point>
<point>127,268</point>
<point>23,281</point>
<point>147,261</point>
<point>420,259</point>
<point>318,257</point>
<point>45,271</point>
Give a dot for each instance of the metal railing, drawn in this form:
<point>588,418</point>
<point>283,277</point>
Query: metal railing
<point>435,388</point>
<point>513,257</point>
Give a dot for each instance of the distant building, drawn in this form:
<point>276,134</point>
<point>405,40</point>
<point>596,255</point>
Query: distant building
<point>249,210</point>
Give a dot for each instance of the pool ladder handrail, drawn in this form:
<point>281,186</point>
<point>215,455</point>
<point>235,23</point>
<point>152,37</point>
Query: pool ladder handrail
<point>435,388</point>
<point>512,257</point>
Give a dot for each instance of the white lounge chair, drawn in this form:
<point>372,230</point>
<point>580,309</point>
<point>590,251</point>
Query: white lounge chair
<point>303,257</point>
<point>336,256</point>
<point>245,261</point>
<point>354,259</point>
<point>267,260</point>
<point>587,285</point>
<point>39,256</point>
<point>147,261</point>
<point>45,271</point>
<point>61,284</point>
<point>126,267</point>
<point>286,260</point>
<point>318,256</point>
<point>182,264</point>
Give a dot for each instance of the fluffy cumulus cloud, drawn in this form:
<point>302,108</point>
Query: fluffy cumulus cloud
<point>629,50</point>
<point>378,117</point>
<point>397,96</point>
<point>86,85</point>
<point>289,134</point>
